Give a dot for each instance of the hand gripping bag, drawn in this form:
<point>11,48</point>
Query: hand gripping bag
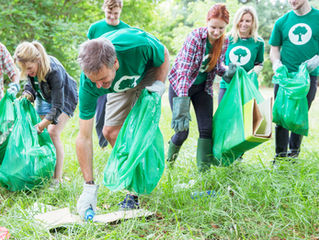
<point>137,159</point>
<point>30,158</point>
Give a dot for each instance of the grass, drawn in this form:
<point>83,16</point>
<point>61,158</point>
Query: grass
<point>254,200</point>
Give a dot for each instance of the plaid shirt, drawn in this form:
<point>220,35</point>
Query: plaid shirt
<point>6,66</point>
<point>188,61</point>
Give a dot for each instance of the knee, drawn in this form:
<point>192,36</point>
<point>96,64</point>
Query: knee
<point>109,133</point>
<point>179,138</point>
<point>54,134</point>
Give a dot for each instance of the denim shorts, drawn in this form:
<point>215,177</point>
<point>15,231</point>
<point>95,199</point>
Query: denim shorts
<point>42,107</point>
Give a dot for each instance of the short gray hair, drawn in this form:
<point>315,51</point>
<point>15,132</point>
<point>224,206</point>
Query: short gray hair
<point>95,53</point>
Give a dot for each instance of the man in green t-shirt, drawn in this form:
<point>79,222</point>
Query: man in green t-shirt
<point>294,40</point>
<point>119,63</point>
<point>111,22</point>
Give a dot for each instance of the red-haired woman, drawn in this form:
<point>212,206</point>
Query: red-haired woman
<point>191,79</point>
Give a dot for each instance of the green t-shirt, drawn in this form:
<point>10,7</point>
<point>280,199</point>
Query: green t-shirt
<point>37,87</point>
<point>246,52</point>
<point>136,52</point>
<point>101,27</point>
<point>298,37</point>
<point>202,75</point>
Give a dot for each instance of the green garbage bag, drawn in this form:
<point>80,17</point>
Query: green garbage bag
<point>30,158</point>
<point>291,105</point>
<point>137,160</point>
<point>7,118</point>
<point>228,121</point>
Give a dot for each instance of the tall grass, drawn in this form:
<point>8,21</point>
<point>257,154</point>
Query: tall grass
<point>253,200</point>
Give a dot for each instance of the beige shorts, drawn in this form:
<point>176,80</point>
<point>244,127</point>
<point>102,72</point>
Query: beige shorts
<point>119,105</point>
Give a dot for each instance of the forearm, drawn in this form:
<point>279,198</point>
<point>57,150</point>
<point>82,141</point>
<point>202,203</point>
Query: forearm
<point>84,149</point>
<point>274,54</point>
<point>43,124</point>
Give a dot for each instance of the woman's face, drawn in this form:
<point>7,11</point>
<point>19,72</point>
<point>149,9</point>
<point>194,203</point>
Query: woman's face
<point>216,28</point>
<point>31,68</point>
<point>245,24</point>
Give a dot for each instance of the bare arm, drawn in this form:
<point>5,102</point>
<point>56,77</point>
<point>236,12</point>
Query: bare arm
<point>84,148</point>
<point>274,54</point>
<point>162,71</point>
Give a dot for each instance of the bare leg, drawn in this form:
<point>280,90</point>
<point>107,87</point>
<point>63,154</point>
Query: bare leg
<point>55,133</point>
<point>111,133</point>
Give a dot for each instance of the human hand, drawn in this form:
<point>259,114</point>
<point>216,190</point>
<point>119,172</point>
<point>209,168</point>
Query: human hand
<point>87,199</point>
<point>230,72</point>
<point>276,64</point>
<point>312,63</point>
<point>257,69</point>
<point>181,116</point>
<point>28,96</point>
<point>157,86</point>
<point>14,88</point>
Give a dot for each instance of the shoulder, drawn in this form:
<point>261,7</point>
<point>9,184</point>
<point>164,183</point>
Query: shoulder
<point>315,10</point>
<point>260,40</point>
<point>97,23</point>
<point>123,24</point>
<point>196,36</point>
<point>284,18</point>
<point>56,68</point>
<point>200,33</point>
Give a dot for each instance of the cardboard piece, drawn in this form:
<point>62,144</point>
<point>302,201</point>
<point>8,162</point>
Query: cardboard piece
<point>257,124</point>
<point>63,217</point>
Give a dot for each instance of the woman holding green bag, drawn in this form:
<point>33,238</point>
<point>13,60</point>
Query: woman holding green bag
<point>246,48</point>
<point>191,78</point>
<point>54,92</point>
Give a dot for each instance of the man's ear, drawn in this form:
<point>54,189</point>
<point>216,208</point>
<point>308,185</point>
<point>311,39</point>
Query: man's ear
<point>116,64</point>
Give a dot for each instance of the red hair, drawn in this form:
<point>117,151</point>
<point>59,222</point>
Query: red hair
<point>217,11</point>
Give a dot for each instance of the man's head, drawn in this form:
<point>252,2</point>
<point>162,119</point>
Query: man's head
<point>112,10</point>
<point>298,4</point>
<point>97,59</point>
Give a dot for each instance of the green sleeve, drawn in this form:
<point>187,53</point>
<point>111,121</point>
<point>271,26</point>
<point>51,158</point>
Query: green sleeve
<point>87,99</point>
<point>276,36</point>
<point>89,34</point>
<point>156,52</point>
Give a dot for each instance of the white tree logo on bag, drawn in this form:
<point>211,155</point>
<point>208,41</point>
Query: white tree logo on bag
<point>239,55</point>
<point>300,34</point>
<point>125,83</point>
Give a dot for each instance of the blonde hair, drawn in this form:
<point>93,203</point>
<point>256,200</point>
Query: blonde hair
<point>32,52</point>
<point>238,16</point>
<point>110,4</point>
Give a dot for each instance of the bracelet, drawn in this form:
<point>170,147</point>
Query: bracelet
<point>90,182</point>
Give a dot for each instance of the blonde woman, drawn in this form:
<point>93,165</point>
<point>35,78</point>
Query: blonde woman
<point>246,48</point>
<point>54,92</point>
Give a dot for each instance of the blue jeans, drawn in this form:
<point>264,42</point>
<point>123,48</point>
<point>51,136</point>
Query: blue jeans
<point>203,106</point>
<point>42,107</point>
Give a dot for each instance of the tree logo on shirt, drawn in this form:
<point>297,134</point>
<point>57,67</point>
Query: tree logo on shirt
<point>125,83</point>
<point>239,55</point>
<point>204,65</point>
<point>300,34</point>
